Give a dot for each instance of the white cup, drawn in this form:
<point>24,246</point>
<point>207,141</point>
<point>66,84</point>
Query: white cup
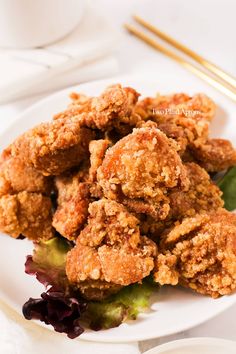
<point>35,23</point>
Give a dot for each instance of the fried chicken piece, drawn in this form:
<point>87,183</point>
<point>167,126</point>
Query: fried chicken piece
<point>114,108</point>
<point>24,201</point>
<point>28,214</point>
<point>178,104</point>
<point>54,147</point>
<point>181,117</point>
<point>16,177</point>
<point>202,195</point>
<point>215,155</point>
<point>72,205</point>
<point>140,169</point>
<point>109,252</point>
<point>111,110</point>
<point>200,253</point>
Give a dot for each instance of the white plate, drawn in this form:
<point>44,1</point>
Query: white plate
<point>196,346</point>
<point>173,309</point>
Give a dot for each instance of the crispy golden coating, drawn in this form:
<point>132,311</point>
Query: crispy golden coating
<point>131,265</point>
<point>186,132</point>
<point>16,177</point>
<point>153,228</point>
<point>24,206</point>
<point>83,268</point>
<point>72,205</point>
<point>111,110</point>
<point>97,149</point>
<point>181,117</point>
<point>110,249</point>
<point>202,195</point>
<point>114,108</point>
<point>200,253</point>
<point>139,170</point>
<point>28,214</point>
<point>83,264</point>
<point>54,147</point>
<point>198,106</point>
<point>215,155</point>
<point>110,222</point>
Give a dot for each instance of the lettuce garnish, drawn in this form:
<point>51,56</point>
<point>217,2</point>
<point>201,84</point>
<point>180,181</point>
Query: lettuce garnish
<point>48,262</point>
<point>228,186</point>
<point>123,306</point>
<point>63,307</point>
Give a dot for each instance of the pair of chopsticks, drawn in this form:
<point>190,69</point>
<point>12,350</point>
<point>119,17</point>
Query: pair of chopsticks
<point>215,76</point>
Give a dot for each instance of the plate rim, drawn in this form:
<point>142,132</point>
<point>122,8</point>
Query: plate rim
<point>181,343</point>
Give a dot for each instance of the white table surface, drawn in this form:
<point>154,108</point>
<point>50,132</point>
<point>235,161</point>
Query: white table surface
<point>208,27</point>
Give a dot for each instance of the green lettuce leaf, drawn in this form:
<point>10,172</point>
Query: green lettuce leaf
<point>125,305</point>
<point>228,186</point>
<point>48,262</point>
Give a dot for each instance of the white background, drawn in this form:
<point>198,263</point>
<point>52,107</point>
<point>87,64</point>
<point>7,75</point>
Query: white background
<point>208,27</point>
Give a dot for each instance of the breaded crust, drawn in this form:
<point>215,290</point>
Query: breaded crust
<point>54,147</point>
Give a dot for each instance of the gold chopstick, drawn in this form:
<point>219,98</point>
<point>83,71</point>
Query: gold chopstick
<point>198,58</point>
<point>216,83</point>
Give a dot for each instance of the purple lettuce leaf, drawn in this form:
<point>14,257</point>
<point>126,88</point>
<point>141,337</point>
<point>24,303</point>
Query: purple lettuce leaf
<point>55,308</point>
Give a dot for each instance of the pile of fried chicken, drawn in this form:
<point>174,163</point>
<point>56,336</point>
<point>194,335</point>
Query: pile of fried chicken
<point>127,180</point>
